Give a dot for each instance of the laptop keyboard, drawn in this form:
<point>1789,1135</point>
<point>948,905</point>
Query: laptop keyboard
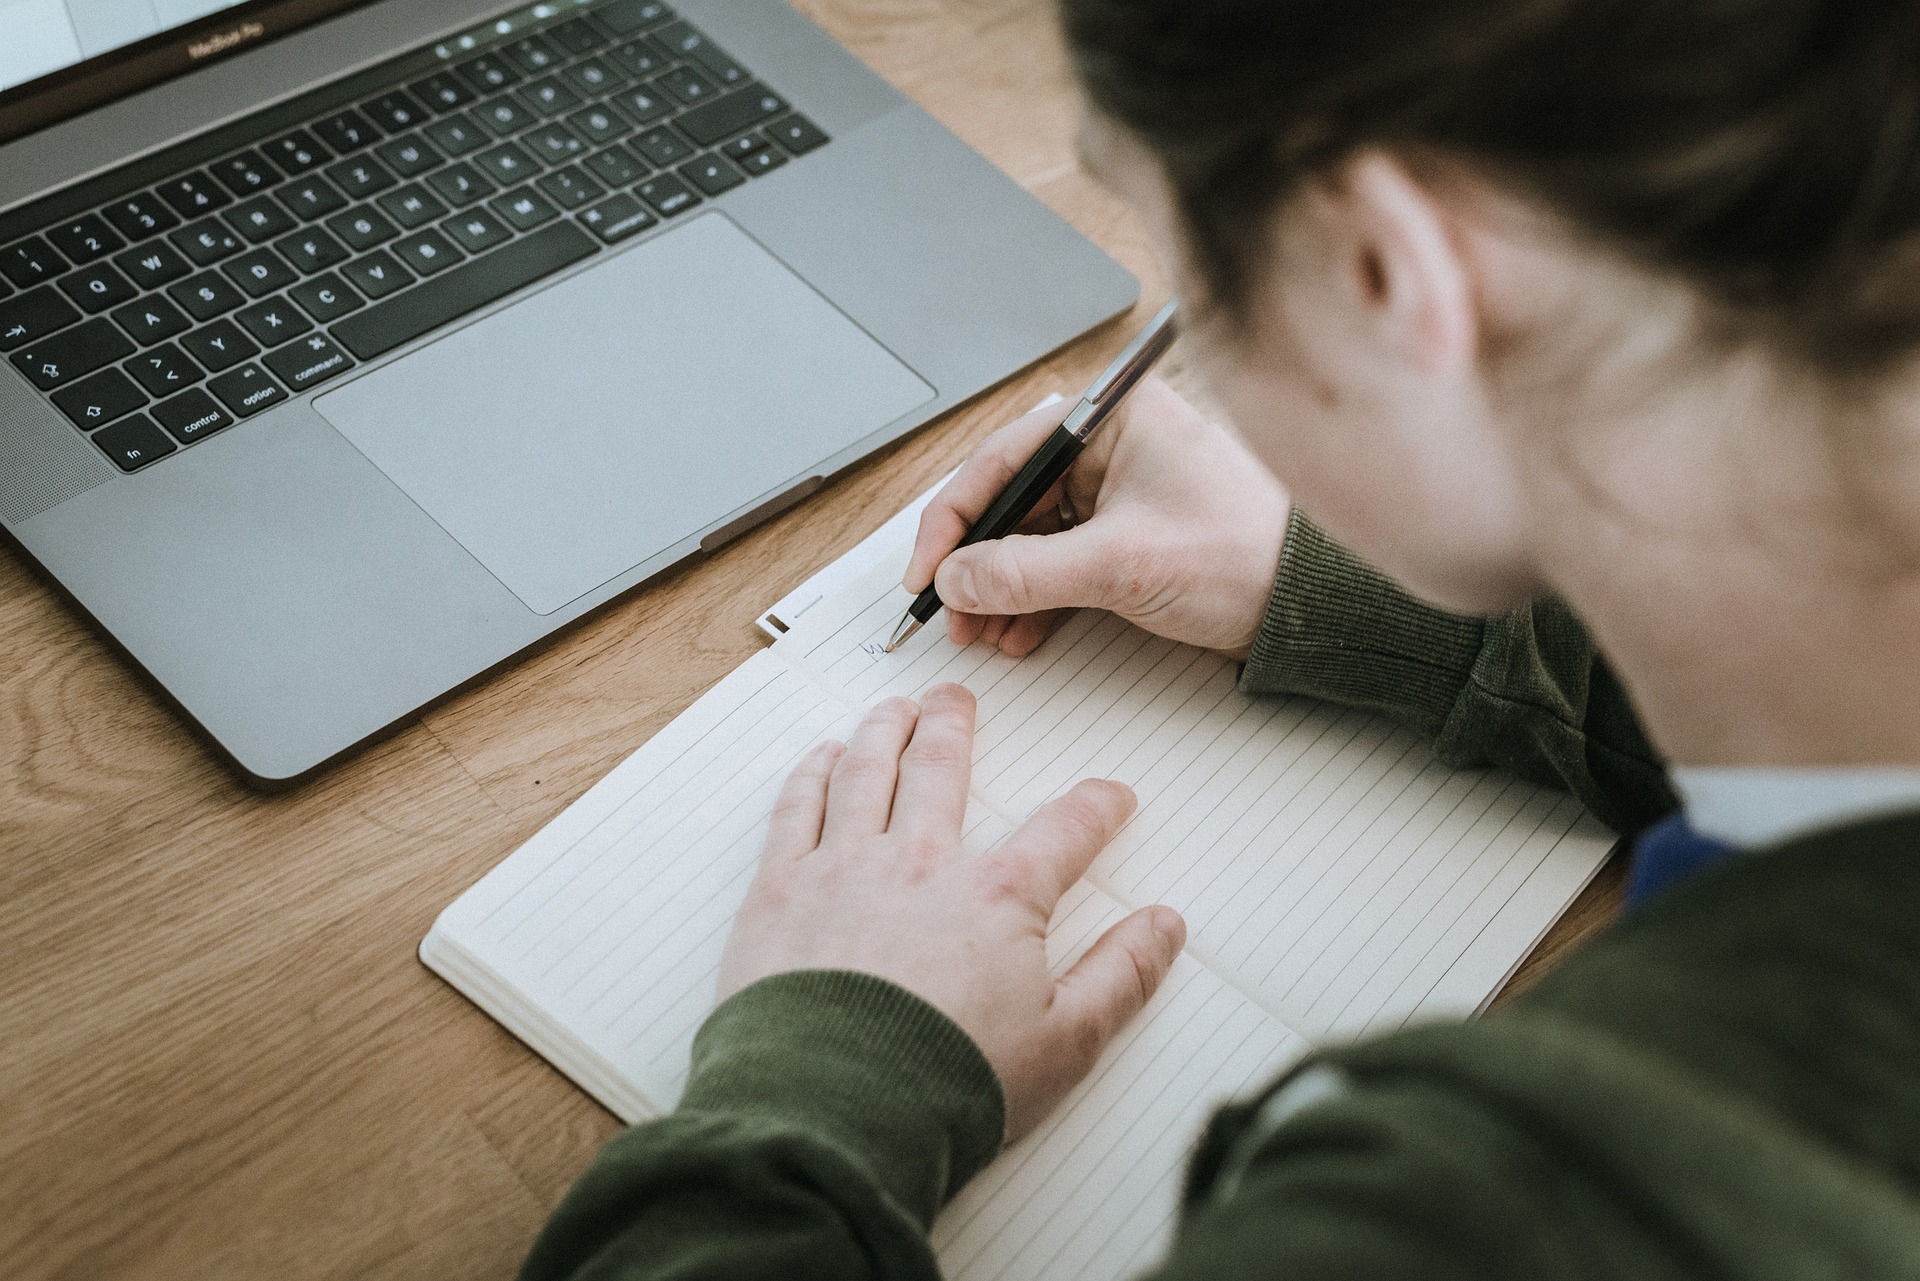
<point>156,311</point>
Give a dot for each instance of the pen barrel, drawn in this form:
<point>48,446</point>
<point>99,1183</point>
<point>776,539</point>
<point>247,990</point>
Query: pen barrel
<point>1015,504</point>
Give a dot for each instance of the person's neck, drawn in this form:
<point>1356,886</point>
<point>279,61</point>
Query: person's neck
<point>1747,555</point>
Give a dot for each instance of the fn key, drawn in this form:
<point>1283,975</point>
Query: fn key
<point>307,362</point>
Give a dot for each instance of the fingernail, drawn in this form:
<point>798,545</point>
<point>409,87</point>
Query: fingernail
<point>1171,927</point>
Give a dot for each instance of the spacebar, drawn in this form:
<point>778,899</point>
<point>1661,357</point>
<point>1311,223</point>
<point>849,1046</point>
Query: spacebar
<point>385,326</point>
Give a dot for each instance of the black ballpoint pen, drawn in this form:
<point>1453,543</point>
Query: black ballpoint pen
<point>1054,456</point>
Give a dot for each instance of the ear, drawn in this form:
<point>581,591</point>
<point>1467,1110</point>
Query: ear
<point>1407,270</point>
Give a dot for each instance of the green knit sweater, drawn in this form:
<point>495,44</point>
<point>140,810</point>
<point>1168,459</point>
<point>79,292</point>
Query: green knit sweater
<point>1724,1086</point>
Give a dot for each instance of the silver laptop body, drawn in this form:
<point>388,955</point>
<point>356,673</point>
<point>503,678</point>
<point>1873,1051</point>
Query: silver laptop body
<point>336,528</point>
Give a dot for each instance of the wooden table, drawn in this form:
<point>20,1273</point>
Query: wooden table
<point>221,1057</point>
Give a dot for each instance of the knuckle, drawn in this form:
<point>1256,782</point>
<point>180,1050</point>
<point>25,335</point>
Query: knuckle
<point>1004,570</point>
<point>1086,1034</point>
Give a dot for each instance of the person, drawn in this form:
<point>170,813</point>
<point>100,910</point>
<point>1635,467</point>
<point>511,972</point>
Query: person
<point>1580,328</point>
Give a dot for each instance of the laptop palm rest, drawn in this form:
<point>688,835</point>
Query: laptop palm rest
<point>590,427</point>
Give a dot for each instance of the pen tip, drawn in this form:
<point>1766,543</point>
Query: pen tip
<point>908,626</point>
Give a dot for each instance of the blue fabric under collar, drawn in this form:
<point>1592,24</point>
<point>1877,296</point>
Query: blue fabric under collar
<point>1667,853</point>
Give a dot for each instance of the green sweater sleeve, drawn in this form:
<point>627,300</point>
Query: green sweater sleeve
<point>1525,691</point>
<point>827,1117</point>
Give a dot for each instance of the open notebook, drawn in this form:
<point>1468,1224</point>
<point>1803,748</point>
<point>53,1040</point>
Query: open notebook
<point>1336,880</point>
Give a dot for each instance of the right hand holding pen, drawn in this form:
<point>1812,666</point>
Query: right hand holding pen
<point>1177,527</point>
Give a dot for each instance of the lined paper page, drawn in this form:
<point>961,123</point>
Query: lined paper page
<point>1325,862</point>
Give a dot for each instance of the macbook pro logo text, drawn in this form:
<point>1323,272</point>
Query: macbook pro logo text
<point>221,41</point>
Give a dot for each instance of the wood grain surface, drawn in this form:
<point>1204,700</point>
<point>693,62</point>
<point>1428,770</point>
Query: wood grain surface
<point>221,1058</point>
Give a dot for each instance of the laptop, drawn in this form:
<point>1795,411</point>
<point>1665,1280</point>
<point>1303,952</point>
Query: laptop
<point>347,348</point>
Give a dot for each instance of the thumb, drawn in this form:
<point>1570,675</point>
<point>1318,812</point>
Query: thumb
<point>1028,573</point>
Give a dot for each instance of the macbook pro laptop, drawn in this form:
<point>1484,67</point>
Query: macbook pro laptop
<point>347,348</point>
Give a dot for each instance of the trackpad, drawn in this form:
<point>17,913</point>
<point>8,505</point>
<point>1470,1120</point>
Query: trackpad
<point>596,424</point>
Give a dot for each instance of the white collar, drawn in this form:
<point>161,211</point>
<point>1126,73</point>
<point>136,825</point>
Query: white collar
<point>1749,806</point>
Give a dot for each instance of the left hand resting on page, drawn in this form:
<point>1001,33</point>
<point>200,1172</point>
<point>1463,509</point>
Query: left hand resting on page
<point>864,871</point>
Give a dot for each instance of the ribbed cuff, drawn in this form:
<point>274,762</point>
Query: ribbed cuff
<point>861,1063</point>
<point>1340,630</point>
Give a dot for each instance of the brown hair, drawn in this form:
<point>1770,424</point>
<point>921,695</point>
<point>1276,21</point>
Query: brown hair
<point>1766,150</point>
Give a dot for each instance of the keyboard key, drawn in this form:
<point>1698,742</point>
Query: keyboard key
<point>207,241</point>
<point>164,370</point>
<point>761,162</point>
<point>296,153</point>
<point>668,194</point>
<point>523,208</point>
<point>206,295</point>
<point>259,219</point>
<point>688,85</point>
<point>488,74</point>
<point>71,354</point>
<point>378,275</point>
<point>534,55</point>
<point>246,174</point>
<point>346,131</point>
<point>152,319</point>
<point>569,188</point>
<point>361,177</point>
<point>313,359</point>
<point>260,273</point>
<point>408,156</point>
<point>396,112</point>
<point>681,39</point>
<point>460,184</point>
<point>191,415</point>
<point>326,298</point>
<point>554,143</point>
<point>639,59</point>
<point>662,146</point>
<point>433,303</point>
<point>743,146</point>
<point>797,134</point>
<point>441,91</point>
<point>503,116</point>
<point>194,194</point>
<point>598,125</point>
<point>310,198</point>
<point>98,400</point>
<point>31,261</point>
<point>730,114</point>
<point>362,228</point>
<point>457,135</point>
<point>577,37</point>
<point>137,217</point>
<point>33,315</point>
<point>712,174</point>
<point>151,266</point>
<point>273,322</point>
<point>593,77</point>
<point>624,17</point>
<point>616,166</point>
<point>475,231</point>
<point>96,288</point>
<point>507,164</point>
<point>219,346</point>
<point>617,217</point>
<point>411,206</point>
<point>644,105</point>
<point>85,239</point>
<point>134,442</point>
<point>246,390</point>
<point>548,97</point>
<point>426,252</point>
<point>310,250</point>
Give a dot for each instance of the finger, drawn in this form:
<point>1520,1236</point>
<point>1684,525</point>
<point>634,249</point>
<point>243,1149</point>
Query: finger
<point>994,628</point>
<point>1113,981</point>
<point>1024,574</point>
<point>973,488</point>
<point>931,798</point>
<point>1054,847</point>
<point>964,629</point>
<point>860,791</point>
<point>802,805</point>
<point>1026,632</point>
